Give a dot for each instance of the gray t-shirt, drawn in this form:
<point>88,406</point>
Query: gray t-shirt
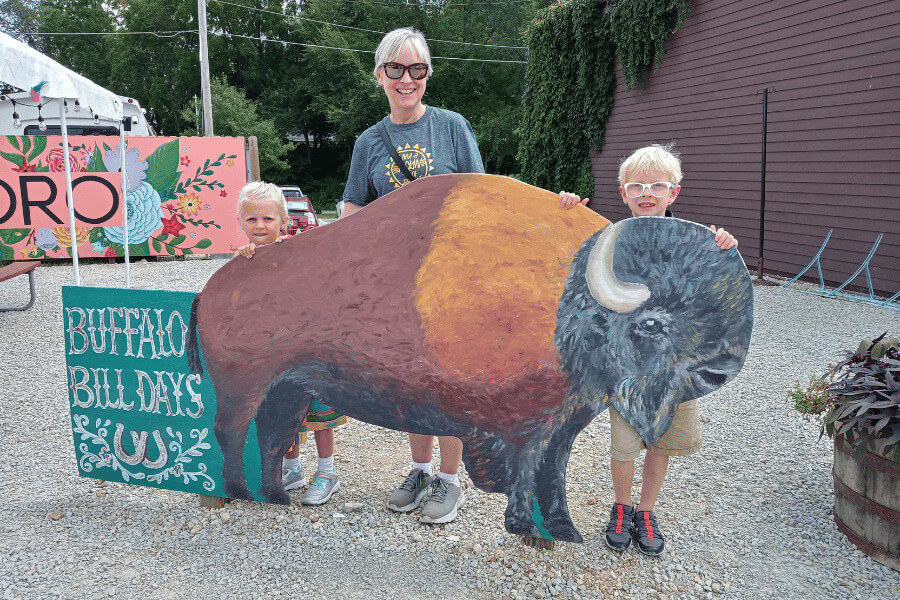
<point>441,142</point>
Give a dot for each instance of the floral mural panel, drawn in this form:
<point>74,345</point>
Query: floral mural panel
<point>180,196</point>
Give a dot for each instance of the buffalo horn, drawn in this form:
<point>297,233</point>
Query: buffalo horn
<point>620,296</point>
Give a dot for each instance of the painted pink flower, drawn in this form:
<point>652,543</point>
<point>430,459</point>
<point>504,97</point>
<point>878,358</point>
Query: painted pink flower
<point>223,193</point>
<point>185,161</point>
<point>56,161</point>
<point>110,251</point>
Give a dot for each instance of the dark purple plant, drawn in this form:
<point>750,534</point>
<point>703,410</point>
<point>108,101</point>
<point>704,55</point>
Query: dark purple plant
<point>866,392</point>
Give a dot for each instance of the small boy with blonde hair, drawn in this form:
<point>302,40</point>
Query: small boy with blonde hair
<point>263,214</point>
<point>649,182</point>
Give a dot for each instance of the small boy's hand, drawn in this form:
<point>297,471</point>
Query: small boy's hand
<point>724,239</point>
<point>568,200</point>
<point>246,251</point>
<point>282,237</point>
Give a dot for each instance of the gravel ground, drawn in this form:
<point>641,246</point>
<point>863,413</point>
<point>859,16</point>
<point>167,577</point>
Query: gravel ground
<point>747,517</point>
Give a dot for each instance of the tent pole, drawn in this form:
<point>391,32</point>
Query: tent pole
<point>71,200</point>
<point>125,199</point>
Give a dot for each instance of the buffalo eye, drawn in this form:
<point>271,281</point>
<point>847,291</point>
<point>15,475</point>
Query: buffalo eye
<point>650,326</point>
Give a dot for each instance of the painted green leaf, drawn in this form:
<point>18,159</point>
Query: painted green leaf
<point>186,251</point>
<point>178,240</point>
<point>162,164</point>
<point>16,159</point>
<point>95,165</point>
<point>139,249</point>
<point>168,188</point>
<point>39,144</point>
<point>12,236</point>
<point>157,247</point>
<point>6,253</point>
<point>204,243</point>
<point>26,144</point>
<point>14,141</point>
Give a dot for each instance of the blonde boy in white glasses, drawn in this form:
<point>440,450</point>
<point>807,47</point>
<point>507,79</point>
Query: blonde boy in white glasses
<point>649,182</point>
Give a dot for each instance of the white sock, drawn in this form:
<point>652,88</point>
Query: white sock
<point>429,470</point>
<point>292,464</point>
<point>454,479</point>
<point>326,465</point>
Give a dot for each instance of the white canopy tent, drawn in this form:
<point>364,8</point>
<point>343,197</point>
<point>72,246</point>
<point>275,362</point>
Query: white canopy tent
<point>24,67</point>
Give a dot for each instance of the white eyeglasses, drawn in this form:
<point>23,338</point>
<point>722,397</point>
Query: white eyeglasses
<point>659,189</point>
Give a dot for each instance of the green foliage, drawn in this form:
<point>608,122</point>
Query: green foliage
<point>866,393</point>
<point>569,85</point>
<point>640,29</point>
<point>84,54</point>
<point>235,115</point>
<point>815,399</point>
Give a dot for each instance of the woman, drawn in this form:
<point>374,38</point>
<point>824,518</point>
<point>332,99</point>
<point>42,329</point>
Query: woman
<point>429,141</point>
<point>402,69</point>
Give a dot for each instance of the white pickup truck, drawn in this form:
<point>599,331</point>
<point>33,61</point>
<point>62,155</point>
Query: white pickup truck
<point>19,115</point>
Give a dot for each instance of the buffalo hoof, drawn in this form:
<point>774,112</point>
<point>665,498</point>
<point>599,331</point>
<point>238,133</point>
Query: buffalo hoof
<point>276,496</point>
<point>237,491</point>
<point>564,532</point>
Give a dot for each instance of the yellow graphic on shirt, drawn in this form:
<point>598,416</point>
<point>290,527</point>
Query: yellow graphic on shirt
<point>418,161</point>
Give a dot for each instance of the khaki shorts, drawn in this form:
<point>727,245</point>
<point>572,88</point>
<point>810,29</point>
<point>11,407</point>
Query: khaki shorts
<point>682,438</point>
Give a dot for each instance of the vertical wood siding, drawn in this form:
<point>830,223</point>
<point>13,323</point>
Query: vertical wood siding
<point>833,143</point>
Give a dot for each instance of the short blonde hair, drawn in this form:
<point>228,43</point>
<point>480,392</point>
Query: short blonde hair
<point>262,191</point>
<point>656,156</point>
<point>393,43</point>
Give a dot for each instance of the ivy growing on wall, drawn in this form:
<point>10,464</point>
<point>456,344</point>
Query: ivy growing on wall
<point>640,29</point>
<point>571,78</point>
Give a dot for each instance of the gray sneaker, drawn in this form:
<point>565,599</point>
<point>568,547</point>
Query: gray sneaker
<point>443,500</point>
<point>291,479</point>
<point>322,487</point>
<point>409,495</point>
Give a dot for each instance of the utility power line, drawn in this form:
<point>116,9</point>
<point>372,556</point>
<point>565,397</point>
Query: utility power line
<point>161,34</point>
<point>259,39</point>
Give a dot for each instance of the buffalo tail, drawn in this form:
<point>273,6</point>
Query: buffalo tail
<point>193,344</point>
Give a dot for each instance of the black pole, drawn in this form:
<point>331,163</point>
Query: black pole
<point>762,186</point>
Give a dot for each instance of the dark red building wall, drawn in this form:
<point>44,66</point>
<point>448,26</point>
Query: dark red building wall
<point>833,143</point>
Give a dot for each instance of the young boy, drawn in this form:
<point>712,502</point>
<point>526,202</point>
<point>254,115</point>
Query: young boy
<point>649,182</point>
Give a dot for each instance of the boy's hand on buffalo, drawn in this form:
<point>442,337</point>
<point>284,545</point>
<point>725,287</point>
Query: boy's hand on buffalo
<point>282,237</point>
<point>247,250</point>
<point>724,239</point>
<point>568,200</point>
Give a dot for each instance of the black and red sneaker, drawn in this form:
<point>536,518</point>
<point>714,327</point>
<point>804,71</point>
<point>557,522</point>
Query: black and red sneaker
<point>618,531</point>
<point>647,534</point>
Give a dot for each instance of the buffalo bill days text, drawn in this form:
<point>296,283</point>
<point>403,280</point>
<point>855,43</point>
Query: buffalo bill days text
<point>123,335</point>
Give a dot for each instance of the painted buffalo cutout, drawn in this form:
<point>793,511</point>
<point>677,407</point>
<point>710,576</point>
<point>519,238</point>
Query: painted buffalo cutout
<point>472,306</point>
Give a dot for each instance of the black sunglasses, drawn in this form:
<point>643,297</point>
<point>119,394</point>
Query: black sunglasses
<point>395,70</point>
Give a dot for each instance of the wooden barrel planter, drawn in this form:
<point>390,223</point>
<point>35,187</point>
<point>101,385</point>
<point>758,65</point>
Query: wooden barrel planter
<point>867,502</point>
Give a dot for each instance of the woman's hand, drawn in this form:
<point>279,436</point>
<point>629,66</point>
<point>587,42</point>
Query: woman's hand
<point>568,200</point>
<point>724,239</point>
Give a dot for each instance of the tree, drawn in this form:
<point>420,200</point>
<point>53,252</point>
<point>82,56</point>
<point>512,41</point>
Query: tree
<point>235,115</point>
<point>84,54</point>
<point>21,19</point>
<point>163,73</point>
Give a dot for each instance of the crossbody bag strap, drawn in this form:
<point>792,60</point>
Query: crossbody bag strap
<point>382,129</point>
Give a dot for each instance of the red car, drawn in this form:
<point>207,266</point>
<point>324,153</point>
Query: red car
<point>301,215</point>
